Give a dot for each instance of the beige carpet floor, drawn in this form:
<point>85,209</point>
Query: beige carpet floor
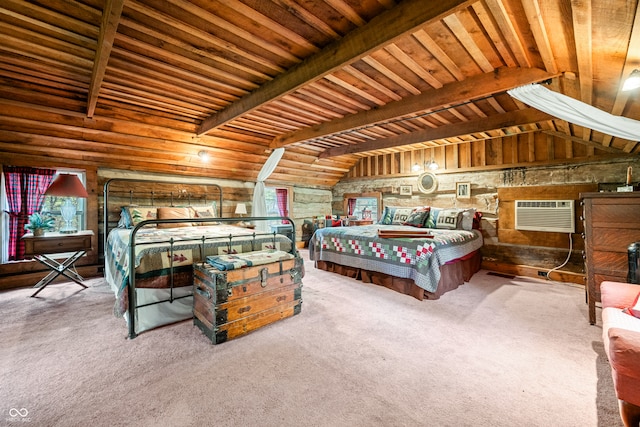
<point>494,352</point>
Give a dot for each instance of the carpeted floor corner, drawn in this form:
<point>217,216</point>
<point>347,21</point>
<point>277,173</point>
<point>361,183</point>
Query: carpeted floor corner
<point>494,352</point>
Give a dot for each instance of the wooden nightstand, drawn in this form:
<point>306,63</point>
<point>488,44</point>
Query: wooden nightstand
<point>54,243</point>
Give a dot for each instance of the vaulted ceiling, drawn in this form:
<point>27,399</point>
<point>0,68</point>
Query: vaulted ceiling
<point>147,84</point>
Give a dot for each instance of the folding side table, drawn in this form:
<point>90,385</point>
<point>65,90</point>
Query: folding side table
<point>55,243</point>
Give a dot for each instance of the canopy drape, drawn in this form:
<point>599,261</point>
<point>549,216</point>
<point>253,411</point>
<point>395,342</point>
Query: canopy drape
<point>577,112</point>
<point>259,205</point>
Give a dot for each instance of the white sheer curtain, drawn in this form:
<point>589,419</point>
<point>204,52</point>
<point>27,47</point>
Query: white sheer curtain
<point>576,112</point>
<point>258,205</point>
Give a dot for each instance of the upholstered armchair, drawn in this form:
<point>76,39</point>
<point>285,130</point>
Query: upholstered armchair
<point>621,335</point>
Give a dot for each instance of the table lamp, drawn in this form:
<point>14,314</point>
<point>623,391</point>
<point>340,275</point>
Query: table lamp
<point>67,186</point>
<point>241,209</point>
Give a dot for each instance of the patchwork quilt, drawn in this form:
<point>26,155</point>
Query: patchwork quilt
<point>250,259</point>
<point>419,259</point>
<point>164,256</point>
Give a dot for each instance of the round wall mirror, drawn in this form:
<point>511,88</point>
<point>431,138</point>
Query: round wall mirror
<point>427,182</point>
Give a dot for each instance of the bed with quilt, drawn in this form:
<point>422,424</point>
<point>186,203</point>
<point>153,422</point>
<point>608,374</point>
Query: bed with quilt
<point>149,257</point>
<point>422,251</point>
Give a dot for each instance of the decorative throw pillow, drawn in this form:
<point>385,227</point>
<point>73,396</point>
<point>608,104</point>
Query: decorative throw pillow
<point>466,222</point>
<point>198,212</point>
<point>171,212</point>
<point>400,215</point>
<point>634,310</point>
<point>205,211</point>
<point>418,217</point>
<point>433,217</point>
<point>477,217</point>
<point>448,219</point>
<point>125,219</point>
<point>141,213</point>
<point>387,215</point>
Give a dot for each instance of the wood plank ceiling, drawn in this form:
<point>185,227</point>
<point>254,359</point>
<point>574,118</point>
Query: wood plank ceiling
<point>147,84</point>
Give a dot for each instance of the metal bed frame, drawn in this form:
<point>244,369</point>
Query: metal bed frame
<point>131,285</point>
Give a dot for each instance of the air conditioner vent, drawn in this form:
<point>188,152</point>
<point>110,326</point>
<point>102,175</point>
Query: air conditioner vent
<point>545,215</point>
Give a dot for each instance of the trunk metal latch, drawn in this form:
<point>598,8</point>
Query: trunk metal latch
<point>264,273</point>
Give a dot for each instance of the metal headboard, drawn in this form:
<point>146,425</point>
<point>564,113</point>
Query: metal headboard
<point>105,225</point>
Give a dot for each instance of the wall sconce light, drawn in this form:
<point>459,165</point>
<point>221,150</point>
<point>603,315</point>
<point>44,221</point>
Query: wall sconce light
<point>633,81</point>
<point>431,165</point>
<point>68,186</point>
<point>204,156</point>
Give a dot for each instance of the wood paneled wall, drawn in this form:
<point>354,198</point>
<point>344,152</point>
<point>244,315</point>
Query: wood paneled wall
<point>508,151</point>
<point>507,232</point>
<point>493,190</point>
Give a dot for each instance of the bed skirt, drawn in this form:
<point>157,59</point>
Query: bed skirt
<point>452,275</point>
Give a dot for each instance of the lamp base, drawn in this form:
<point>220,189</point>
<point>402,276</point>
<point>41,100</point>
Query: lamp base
<point>68,211</point>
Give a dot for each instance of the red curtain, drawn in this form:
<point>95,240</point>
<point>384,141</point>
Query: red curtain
<point>282,198</point>
<point>352,206</point>
<point>25,189</point>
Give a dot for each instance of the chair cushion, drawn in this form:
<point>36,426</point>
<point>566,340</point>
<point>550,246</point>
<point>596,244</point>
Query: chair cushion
<point>621,334</point>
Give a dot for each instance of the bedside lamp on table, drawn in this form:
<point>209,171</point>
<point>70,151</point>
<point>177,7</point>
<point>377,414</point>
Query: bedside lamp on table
<point>241,209</point>
<point>68,186</point>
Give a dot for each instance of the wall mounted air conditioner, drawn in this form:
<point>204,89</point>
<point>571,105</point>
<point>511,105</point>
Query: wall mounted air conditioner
<point>545,215</point>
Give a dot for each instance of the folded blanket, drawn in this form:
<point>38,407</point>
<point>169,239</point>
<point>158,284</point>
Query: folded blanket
<point>247,259</point>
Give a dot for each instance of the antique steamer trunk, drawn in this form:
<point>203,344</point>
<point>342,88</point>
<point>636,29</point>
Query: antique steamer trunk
<point>229,304</point>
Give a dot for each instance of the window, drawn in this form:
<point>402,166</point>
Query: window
<point>26,196</point>
<point>277,200</point>
<point>354,204</point>
<point>52,204</point>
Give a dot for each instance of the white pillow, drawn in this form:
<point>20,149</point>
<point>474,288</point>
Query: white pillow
<point>467,219</point>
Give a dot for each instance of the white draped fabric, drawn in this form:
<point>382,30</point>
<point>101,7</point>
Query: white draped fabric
<point>259,205</point>
<point>576,112</point>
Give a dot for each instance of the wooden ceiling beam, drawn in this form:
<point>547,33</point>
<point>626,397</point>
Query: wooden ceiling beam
<point>454,93</point>
<point>406,17</point>
<point>631,62</point>
<point>513,118</point>
<point>110,18</point>
<point>540,33</point>
<point>581,11</point>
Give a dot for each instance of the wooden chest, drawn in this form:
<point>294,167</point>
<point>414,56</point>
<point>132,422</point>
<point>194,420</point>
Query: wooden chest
<point>229,304</point>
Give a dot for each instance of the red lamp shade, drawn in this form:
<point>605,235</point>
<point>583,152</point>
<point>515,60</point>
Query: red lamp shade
<point>66,185</point>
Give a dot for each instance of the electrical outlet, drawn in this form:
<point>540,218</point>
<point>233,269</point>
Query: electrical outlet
<point>542,273</point>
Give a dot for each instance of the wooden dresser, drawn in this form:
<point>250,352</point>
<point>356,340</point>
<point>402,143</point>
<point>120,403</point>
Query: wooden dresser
<point>611,224</point>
